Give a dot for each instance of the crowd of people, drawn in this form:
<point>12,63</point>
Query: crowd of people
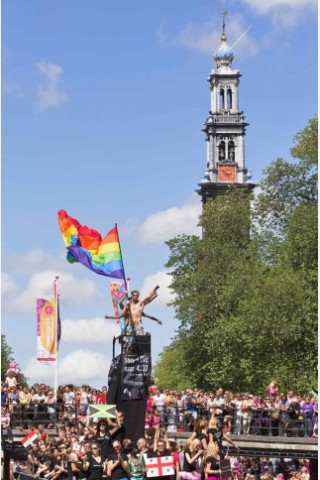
<point>82,448</point>
<point>276,413</point>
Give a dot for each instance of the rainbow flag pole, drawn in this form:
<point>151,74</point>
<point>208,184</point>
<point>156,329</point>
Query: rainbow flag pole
<point>125,280</point>
<point>124,273</point>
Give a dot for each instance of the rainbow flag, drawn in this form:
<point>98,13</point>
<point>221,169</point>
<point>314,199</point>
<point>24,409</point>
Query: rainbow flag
<point>86,246</point>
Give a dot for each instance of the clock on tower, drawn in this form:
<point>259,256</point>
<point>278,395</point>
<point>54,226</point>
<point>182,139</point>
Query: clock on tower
<point>227,173</point>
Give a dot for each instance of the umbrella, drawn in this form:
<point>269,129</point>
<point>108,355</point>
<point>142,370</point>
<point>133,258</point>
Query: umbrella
<point>102,411</point>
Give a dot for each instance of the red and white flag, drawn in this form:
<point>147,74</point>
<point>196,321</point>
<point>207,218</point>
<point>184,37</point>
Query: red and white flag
<point>159,466</point>
<point>29,439</point>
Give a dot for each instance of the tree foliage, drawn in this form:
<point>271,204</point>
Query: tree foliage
<point>247,304</point>
<point>6,356</point>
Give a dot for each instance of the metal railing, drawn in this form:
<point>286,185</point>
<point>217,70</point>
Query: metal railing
<point>256,421</point>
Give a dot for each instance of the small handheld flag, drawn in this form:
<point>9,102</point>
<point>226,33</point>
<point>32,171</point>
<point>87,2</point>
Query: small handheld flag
<point>29,439</point>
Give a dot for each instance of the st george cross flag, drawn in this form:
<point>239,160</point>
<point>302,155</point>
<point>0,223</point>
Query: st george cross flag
<point>29,439</point>
<point>159,466</point>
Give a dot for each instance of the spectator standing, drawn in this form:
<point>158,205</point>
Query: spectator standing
<point>212,467</point>
<point>237,404</point>
<point>38,400</point>
<point>102,437</point>
<point>143,447</point>
<point>282,407</point>
<point>247,413</point>
<point>84,398</point>
<point>193,462</point>
<point>4,396</point>
<point>24,400</point>
<point>307,412</point>
<point>95,463</point>
<point>50,401</point>
<point>117,465</point>
<point>136,464</point>
<point>272,389</point>
<point>159,401</point>
<point>5,423</point>
<point>173,448</point>
<point>315,418</point>
<point>11,379</point>
<point>219,404</point>
<point>68,396</point>
<point>117,429</point>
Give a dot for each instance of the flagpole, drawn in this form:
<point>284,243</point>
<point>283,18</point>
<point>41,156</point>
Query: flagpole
<point>125,279</point>
<point>124,273</point>
<point>56,298</point>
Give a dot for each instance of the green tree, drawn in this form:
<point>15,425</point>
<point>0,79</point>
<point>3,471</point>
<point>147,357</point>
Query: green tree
<point>170,373</point>
<point>247,303</point>
<point>6,356</point>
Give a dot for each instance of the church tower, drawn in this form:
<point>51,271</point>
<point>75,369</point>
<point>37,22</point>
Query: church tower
<point>225,129</point>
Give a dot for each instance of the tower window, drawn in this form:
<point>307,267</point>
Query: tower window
<point>222,102</point>
<point>229,98</point>
<point>231,150</point>
<point>222,151</point>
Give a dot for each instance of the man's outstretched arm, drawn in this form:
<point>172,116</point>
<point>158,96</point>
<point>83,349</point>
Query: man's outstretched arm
<point>117,317</point>
<point>151,318</point>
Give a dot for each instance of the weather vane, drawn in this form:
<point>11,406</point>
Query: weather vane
<point>224,13</point>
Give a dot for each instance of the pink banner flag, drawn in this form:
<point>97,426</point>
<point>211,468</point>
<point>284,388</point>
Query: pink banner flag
<point>118,296</point>
<point>46,331</point>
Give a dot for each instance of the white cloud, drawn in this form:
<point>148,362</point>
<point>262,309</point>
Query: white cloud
<point>79,366</point>
<point>50,94</point>
<point>31,260</point>
<point>93,330</point>
<point>7,284</point>
<point>41,286</point>
<point>205,37</point>
<point>263,6</point>
<point>163,279</point>
<point>163,225</point>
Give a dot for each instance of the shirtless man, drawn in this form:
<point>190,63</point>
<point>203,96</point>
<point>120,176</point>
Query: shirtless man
<point>134,309</point>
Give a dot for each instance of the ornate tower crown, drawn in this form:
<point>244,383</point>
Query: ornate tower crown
<point>224,54</point>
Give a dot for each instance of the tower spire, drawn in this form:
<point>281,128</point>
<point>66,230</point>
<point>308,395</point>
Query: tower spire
<point>225,128</point>
<point>224,13</point>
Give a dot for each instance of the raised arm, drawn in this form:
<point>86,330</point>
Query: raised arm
<point>152,295</point>
<point>228,439</point>
<point>156,438</point>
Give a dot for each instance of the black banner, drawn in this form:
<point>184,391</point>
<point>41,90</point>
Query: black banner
<point>225,467</point>
<point>136,372</point>
<point>112,377</point>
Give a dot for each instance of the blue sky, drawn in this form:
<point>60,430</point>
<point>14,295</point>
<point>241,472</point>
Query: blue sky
<point>102,109</point>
